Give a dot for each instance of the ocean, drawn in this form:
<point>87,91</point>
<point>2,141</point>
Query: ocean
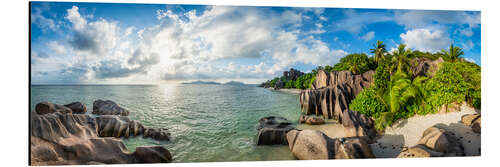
<point>208,122</point>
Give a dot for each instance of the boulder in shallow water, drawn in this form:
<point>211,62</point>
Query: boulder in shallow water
<point>157,134</point>
<point>152,154</point>
<point>273,130</point>
<point>47,107</point>
<point>108,107</point>
<point>118,126</point>
<point>77,107</point>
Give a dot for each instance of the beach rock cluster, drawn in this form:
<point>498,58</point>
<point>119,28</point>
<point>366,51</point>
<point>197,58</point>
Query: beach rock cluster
<point>332,92</point>
<point>61,136</point>
<point>473,121</point>
<point>272,130</point>
<point>108,107</point>
<point>311,120</point>
<point>358,125</point>
<point>435,142</point>
<point>313,144</point>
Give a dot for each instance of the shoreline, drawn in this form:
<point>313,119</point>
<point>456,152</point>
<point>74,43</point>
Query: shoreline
<point>292,91</point>
<point>407,132</point>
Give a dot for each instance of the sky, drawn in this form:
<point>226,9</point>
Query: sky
<point>112,43</point>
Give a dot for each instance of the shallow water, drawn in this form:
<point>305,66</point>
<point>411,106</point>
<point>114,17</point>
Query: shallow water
<point>207,122</point>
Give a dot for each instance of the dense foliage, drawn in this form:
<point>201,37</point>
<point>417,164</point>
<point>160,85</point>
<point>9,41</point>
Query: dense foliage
<point>395,94</point>
<point>357,63</point>
<point>305,81</point>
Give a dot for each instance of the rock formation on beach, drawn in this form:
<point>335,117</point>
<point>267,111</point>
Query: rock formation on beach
<point>108,107</point>
<point>474,121</point>
<point>311,120</point>
<point>77,107</point>
<point>272,130</point>
<point>332,92</point>
<point>67,138</point>
<point>313,144</point>
<point>435,142</point>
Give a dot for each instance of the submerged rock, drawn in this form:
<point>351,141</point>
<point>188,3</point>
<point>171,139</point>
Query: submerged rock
<point>313,144</point>
<point>70,139</point>
<point>108,107</point>
<point>77,107</point>
<point>273,130</point>
<point>47,107</point>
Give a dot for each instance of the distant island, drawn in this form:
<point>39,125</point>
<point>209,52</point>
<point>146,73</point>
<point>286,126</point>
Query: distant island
<point>202,82</point>
<point>234,83</point>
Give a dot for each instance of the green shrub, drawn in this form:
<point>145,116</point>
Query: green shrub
<point>367,103</point>
<point>273,82</point>
<point>305,81</point>
<point>290,84</point>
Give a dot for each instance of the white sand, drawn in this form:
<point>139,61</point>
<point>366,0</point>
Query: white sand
<point>292,91</point>
<point>406,133</point>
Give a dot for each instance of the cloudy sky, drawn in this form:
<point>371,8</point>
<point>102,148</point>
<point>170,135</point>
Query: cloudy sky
<point>98,43</point>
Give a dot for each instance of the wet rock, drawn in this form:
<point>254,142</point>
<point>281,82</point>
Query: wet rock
<point>152,154</point>
<point>157,134</point>
<point>77,107</point>
<point>47,107</point>
<point>272,130</point>
<point>108,107</point>
<point>122,126</point>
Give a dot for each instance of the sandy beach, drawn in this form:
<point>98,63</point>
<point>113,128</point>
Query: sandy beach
<point>293,91</point>
<point>407,132</point>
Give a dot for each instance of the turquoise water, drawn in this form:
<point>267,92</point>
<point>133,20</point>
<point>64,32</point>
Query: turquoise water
<point>207,122</point>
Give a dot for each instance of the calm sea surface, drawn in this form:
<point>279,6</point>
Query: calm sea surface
<point>207,122</point>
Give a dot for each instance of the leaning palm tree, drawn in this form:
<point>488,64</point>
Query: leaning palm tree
<point>378,51</point>
<point>453,53</point>
<point>401,57</point>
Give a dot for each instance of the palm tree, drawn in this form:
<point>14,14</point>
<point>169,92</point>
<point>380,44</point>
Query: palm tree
<point>401,57</point>
<point>378,51</point>
<point>453,53</point>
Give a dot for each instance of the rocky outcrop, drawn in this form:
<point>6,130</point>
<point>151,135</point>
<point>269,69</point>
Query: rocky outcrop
<point>272,130</point>
<point>69,139</point>
<point>424,66</point>
<point>108,107</point>
<point>332,92</point>
<point>435,142</point>
<point>122,126</point>
<point>474,121</point>
<point>358,125</point>
<point>47,107</point>
<point>311,120</point>
<point>292,75</point>
<point>313,144</point>
<point>77,107</point>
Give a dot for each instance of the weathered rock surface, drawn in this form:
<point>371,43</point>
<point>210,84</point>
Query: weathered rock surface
<point>311,120</point>
<point>122,126</point>
<point>435,142</point>
<point>108,107</point>
<point>424,66</point>
<point>358,125</point>
<point>474,121</point>
<point>47,107</point>
<point>69,139</point>
<point>452,107</point>
<point>313,144</point>
<point>333,92</point>
<point>273,130</point>
<point>77,107</point>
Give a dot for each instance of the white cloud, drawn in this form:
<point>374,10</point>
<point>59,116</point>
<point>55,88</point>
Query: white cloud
<point>368,36</point>
<point>426,40</point>
<point>470,60</point>
<point>57,48</point>
<point>42,21</point>
<point>354,22</point>
<point>468,45</point>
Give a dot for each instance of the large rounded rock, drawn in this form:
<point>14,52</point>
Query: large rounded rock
<point>118,126</point>
<point>435,139</point>
<point>47,107</point>
<point>315,121</point>
<point>435,142</point>
<point>474,121</point>
<point>352,148</point>
<point>273,130</point>
<point>310,144</point>
<point>108,107</point>
<point>77,107</point>
<point>152,154</point>
<point>157,134</point>
<point>358,125</point>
